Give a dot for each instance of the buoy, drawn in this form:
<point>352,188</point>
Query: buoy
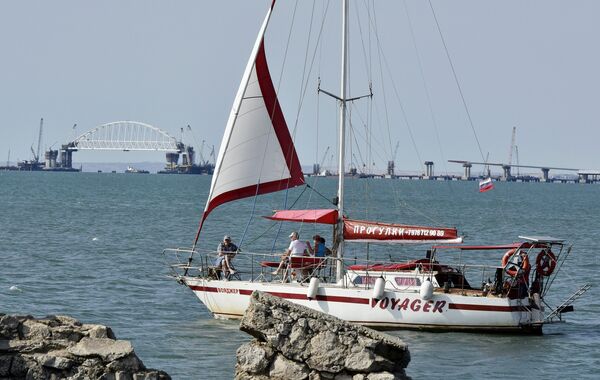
<point>313,288</point>
<point>378,289</point>
<point>15,288</point>
<point>426,290</point>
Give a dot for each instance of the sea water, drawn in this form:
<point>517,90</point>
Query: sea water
<point>89,245</point>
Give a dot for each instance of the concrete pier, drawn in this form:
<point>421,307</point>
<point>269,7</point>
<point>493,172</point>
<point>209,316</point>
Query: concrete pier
<point>428,170</point>
<point>467,167</point>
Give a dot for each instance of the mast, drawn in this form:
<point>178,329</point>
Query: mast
<point>339,273</point>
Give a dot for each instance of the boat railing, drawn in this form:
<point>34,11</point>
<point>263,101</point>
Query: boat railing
<point>254,266</point>
<point>272,267</point>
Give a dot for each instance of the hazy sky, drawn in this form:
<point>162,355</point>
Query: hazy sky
<point>529,64</point>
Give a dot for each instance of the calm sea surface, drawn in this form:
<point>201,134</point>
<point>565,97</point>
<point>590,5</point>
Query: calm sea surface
<point>89,245</point>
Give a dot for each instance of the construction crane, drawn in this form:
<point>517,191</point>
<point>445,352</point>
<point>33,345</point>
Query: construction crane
<point>36,154</point>
<point>212,154</point>
<point>317,166</point>
<point>512,145</point>
<point>201,153</point>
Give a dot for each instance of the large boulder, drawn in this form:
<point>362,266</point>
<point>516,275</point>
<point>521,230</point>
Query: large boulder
<point>293,341</point>
<point>61,347</point>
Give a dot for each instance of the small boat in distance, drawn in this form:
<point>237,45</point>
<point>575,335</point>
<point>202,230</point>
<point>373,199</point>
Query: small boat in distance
<point>257,156</point>
<point>131,169</point>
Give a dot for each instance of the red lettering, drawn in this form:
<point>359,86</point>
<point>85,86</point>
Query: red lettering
<point>404,304</point>
<point>395,303</point>
<point>374,302</point>
<point>439,305</point>
<point>384,303</point>
<point>415,305</point>
<point>426,307</point>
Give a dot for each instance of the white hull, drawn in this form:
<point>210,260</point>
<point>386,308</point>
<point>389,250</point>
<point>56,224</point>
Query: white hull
<point>396,309</point>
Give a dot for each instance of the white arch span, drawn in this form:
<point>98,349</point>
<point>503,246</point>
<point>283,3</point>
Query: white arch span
<point>126,135</point>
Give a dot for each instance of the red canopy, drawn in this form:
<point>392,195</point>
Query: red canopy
<point>323,216</point>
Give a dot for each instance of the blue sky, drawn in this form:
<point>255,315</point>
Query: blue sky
<point>533,65</point>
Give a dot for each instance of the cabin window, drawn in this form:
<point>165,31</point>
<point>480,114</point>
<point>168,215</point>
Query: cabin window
<point>407,281</point>
<point>364,280</point>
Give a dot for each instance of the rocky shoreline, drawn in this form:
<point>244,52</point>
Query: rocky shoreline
<point>61,347</point>
<point>295,342</point>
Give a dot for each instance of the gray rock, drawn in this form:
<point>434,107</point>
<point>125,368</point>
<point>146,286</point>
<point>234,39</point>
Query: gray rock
<point>254,357</point>
<point>5,361</point>
<point>9,327</point>
<point>382,376</point>
<point>107,349</point>
<point>60,347</point>
<point>98,331</point>
<point>34,330</point>
<point>55,360</point>
<point>285,369</point>
<point>130,364</point>
<point>310,344</point>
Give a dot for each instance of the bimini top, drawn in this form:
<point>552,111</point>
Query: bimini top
<point>323,216</point>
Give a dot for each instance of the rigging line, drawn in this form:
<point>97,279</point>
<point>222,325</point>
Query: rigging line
<point>303,95</point>
<point>387,117</point>
<point>456,80</point>
<point>425,87</point>
<point>323,196</point>
<point>400,103</point>
<point>367,139</point>
<point>353,136</point>
<point>380,54</point>
<point>303,82</point>
<point>314,55</point>
<point>287,46</point>
<point>281,223</point>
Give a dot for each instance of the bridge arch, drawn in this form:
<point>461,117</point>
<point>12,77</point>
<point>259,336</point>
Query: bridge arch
<point>126,135</point>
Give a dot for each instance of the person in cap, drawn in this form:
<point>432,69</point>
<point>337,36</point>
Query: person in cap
<point>296,248</point>
<point>226,252</point>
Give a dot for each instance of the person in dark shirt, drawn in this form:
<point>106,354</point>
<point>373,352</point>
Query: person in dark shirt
<point>226,252</point>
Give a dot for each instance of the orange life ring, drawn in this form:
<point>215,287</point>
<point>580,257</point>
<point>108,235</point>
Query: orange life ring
<point>545,262</point>
<point>525,265</point>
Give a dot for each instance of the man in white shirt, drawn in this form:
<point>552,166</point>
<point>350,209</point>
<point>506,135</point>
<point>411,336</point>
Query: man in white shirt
<point>296,248</point>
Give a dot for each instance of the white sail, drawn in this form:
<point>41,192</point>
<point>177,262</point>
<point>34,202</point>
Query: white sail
<point>257,154</point>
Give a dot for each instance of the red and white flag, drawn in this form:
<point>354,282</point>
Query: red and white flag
<point>486,185</point>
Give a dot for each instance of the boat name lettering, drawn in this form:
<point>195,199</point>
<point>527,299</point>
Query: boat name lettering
<point>227,290</point>
<point>396,231</point>
<point>408,304</point>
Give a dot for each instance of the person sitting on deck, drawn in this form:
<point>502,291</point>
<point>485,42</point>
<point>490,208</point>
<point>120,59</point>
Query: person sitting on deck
<point>319,246</point>
<point>296,248</point>
<point>327,251</point>
<point>226,252</point>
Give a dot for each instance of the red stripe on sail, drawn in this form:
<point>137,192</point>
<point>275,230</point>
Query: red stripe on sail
<point>283,137</point>
<point>276,114</point>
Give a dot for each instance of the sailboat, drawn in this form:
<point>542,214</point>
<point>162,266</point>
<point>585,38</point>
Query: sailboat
<point>257,156</point>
